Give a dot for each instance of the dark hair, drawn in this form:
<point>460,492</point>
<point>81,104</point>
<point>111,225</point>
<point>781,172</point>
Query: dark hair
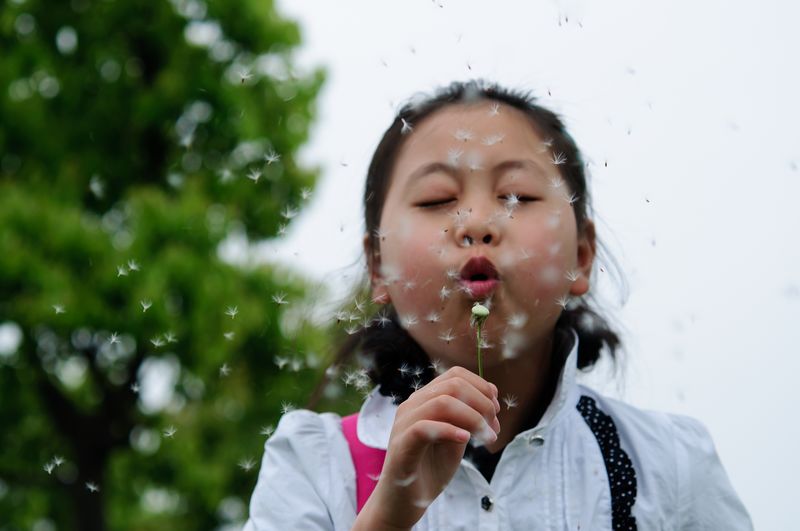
<point>388,346</point>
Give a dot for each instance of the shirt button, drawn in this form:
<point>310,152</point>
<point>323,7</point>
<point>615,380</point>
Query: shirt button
<point>486,503</point>
<point>536,440</point>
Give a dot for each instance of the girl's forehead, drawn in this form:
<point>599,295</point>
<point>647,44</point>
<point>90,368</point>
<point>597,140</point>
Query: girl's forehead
<point>486,128</point>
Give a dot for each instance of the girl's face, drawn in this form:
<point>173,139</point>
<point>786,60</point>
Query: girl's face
<point>477,210</point>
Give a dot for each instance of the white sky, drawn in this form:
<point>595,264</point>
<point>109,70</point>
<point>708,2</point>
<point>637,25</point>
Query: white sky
<point>707,90</point>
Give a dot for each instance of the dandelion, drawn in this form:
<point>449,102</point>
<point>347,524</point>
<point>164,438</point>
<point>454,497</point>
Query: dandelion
<point>463,135</point>
<point>254,175</point>
<point>510,401</point>
<point>433,317</point>
<point>121,271</point>
<point>266,431</point>
<point>146,303</point>
<point>224,370</point>
<point>245,75</point>
<point>280,298</point>
<point>170,431</point>
<point>479,314</point>
<point>133,265</point>
<point>407,128</point>
<point>232,311</point>
<point>558,158</point>
<point>494,110</point>
<point>286,407</point>
<point>157,342</point>
<point>92,487</point>
<point>247,464</point>
<point>447,336</point>
<point>562,301</point>
<point>229,335</point>
<point>272,157</point>
<point>58,308</point>
<point>572,275</point>
<point>113,338</point>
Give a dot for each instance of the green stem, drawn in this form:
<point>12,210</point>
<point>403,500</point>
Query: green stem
<point>480,364</point>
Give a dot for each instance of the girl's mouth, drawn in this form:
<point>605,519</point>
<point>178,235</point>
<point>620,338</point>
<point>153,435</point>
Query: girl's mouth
<point>478,278</point>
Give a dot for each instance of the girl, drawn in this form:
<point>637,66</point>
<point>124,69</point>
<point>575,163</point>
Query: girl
<point>477,194</point>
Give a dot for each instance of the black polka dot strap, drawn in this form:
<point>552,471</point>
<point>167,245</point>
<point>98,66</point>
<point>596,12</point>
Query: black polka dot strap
<point>621,475</point>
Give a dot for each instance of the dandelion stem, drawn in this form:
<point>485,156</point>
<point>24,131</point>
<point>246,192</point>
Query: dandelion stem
<point>480,359</point>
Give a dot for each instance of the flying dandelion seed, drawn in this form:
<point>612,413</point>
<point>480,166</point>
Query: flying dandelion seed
<point>463,135</point>
<point>404,369</point>
<point>408,320</point>
<point>409,285</point>
<point>113,338</point>
<point>510,401</point>
<point>280,298</point>
<point>493,139</point>
<point>517,320</point>
<point>247,464</point>
<point>232,311</point>
<point>48,467</point>
<point>286,407</point>
<point>135,387</point>
<point>562,301</point>
<point>245,75</point>
<point>352,329</point>
<point>416,385</point>
<point>447,336</point>
<point>224,370</point>
<point>494,110</point>
<point>572,198</point>
<point>92,487</point>
<point>272,157</point>
<point>453,273</point>
<point>146,304</point>
<point>558,159</point>
<point>453,156</point>
<point>572,275</point>
<point>229,335</point>
<point>444,293</point>
<point>58,460</point>
<point>436,366</point>
<point>254,175</point>
<point>267,431</point>
<point>58,308</point>
<point>556,182</point>
<point>295,365</point>
<point>281,361</point>
<point>133,265</point>
<point>157,342</point>
<point>121,271</point>
<point>170,431</point>
<point>169,337</point>
<point>433,317</point>
<point>289,212</point>
<point>405,482</point>
<point>407,128</point>
<point>305,193</point>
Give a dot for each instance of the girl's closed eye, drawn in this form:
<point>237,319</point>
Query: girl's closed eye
<point>435,203</point>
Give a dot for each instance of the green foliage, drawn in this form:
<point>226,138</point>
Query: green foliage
<point>135,137</point>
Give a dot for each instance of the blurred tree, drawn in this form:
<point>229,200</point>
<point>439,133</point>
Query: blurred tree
<point>135,138</point>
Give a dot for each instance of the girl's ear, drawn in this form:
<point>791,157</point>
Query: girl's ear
<point>380,295</point>
<point>586,253</point>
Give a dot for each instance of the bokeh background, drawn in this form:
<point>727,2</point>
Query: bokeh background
<point>180,225</point>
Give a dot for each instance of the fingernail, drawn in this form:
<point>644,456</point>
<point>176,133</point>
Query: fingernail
<point>496,425</point>
<point>486,434</point>
<point>496,406</point>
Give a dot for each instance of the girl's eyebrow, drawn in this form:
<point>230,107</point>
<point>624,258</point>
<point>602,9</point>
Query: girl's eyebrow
<point>499,168</point>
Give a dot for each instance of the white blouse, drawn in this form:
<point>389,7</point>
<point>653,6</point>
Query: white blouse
<point>554,476</point>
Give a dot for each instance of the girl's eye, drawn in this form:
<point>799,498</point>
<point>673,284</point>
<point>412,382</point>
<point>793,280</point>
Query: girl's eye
<point>434,203</point>
<point>514,198</point>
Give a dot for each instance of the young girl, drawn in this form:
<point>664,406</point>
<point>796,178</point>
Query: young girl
<point>478,194</point>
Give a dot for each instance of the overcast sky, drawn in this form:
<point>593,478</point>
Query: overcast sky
<point>693,107</point>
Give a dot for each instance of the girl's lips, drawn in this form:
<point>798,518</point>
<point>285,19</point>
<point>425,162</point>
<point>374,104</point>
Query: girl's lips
<point>479,289</point>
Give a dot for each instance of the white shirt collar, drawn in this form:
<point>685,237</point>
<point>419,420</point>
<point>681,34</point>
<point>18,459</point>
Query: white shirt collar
<point>377,414</point>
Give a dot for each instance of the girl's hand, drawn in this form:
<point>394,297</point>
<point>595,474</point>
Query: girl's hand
<point>427,443</point>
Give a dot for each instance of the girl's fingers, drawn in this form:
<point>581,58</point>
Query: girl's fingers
<point>446,408</point>
<point>465,392</point>
<point>423,433</point>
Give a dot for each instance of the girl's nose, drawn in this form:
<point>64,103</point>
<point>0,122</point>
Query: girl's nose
<point>476,230</point>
